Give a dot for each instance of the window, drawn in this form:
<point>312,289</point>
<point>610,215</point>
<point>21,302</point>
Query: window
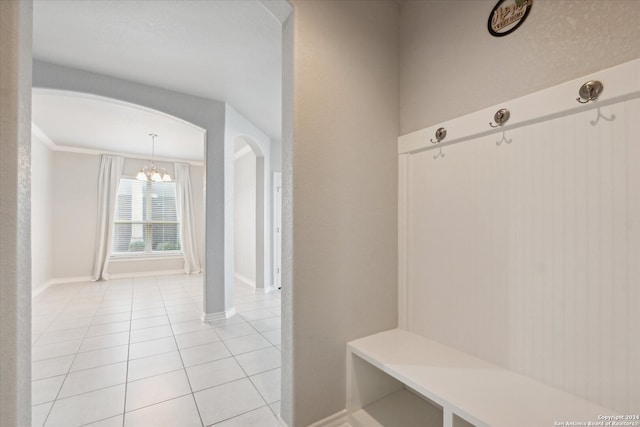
<point>146,219</point>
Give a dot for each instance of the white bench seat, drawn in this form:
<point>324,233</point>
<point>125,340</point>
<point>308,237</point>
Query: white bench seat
<point>462,389</point>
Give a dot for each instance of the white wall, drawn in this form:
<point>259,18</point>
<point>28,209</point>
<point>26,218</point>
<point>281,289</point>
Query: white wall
<point>197,187</point>
<point>15,213</point>
<point>340,183</point>
<point>451,65</point>
<point>41,216</point>
<point>276,155</point>
<point>75,211</point>
<point>245,216</point>
<point>74,214</point>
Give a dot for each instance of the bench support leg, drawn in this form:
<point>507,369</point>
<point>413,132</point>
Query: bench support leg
<point>447,417</point>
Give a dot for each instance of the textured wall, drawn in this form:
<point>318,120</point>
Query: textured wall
<point>286,383</point>
<point>340,179</point>
<point>15,213</point>
<point>451,65</point>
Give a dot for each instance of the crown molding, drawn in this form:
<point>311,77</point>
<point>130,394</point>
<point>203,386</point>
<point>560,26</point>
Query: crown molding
<point>37,133</point>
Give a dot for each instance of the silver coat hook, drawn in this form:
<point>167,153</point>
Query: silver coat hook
<point>589,91</point>
<point>441,133</point>
<point>501,117</point>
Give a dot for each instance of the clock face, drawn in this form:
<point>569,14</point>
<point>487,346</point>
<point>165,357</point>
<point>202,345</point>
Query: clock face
<point>507,16</point>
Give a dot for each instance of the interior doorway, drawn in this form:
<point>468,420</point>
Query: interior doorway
<point>251,216</point>
<point>245,218</point>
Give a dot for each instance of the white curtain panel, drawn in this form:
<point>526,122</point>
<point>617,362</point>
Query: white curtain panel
<point>186,218</point>
<point>108,181</point>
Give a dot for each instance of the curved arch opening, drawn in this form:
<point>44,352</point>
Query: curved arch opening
<point>86,121</point>
<point>71,130</point>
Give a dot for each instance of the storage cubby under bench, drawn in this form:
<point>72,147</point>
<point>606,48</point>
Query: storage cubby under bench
<point>399,378</point>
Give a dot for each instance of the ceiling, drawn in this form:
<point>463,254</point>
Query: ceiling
<point>90,122</point>
<point>227,50</point>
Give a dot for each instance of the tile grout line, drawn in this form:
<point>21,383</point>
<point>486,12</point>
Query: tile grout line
<point>85,369</point>
<point>231,355</point>
<point>166,296</point>
<point>254,385</point>
<point>246,374</point>
<point>238,415</point>
<point>126,374</point>
<point>156,403</point>
<point>280,367</point>
<point>244,370</point>
<point>58,313</point>
<point>72,362</point>
<point>193,396</point>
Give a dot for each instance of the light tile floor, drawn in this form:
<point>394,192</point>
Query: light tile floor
<point>134,352</point>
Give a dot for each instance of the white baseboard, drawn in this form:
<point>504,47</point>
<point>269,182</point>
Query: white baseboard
<point>281,422</point>
<point>146,274</point>
<point>46,285</point>
<point>70,280</point>
<point>219,315</point>
<point>40,289</point>
<point>244,280</point>
<point>339,419</point>
<point>267,289</point>
<point>61,280</point>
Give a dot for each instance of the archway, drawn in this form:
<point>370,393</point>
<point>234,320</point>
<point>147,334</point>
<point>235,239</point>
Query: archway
<point>79,128</point>
<point>251,225</point>
<point>205,113</point>
<point>238,129</point>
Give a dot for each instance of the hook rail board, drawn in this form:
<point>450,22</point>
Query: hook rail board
<point>620,82</point>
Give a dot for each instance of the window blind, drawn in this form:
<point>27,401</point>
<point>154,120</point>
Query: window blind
<point>146,219</point>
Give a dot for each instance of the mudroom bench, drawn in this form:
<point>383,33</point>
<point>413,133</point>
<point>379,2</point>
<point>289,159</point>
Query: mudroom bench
<point>399,378</point>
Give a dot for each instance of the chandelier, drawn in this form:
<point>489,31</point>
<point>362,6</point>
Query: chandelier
<point>152,173</point>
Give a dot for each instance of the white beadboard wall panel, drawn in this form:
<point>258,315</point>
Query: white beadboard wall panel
<point>527,253</point>
<point>403,233</point>
<point>632,288</point>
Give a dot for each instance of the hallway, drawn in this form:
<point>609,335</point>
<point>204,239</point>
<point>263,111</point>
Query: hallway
<point>134,352</point>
